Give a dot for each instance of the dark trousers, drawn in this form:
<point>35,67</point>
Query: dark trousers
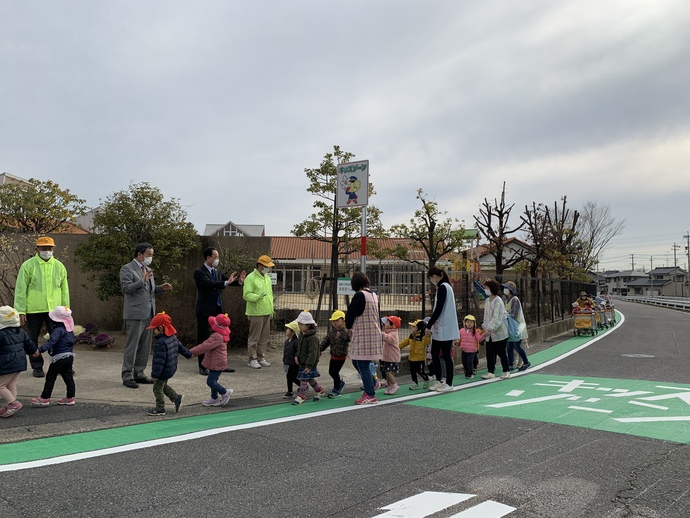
<point>291,377</point>
<point>63,368</point>
<point>494,349</point>
<point>334,371</point>
<point>34,323</point>
<point>417,368</point>
<point>445,346</point>
<point>468,363</point>
<point>161,390</point>
<point>212,381</point>
<point>203,330</point>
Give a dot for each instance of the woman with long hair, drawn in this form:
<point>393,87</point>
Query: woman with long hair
<point>366,344</point>
<point>494,326</point>
<point>443,328</point>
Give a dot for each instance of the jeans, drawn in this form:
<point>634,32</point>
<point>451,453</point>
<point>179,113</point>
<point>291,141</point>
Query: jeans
<point>212,382</point>
<point>445,346</point>
<point>517,346</point>
<point>468,363</point>
<point>362,366</point>
<point>492,350</point>
<point>63,368</point>
<point>161,388</point>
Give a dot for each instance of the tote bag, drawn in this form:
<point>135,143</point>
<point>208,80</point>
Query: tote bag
<point>514,333</point>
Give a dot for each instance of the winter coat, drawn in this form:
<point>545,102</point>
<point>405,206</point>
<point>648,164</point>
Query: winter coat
<point>391,351</point>
<point>61,342</point>
<point>15,344</point>
<point>495,316</point>
<point>41,286</point>
<point>418,342</point>
<point>308,349</point>
<point>290,350</point>
<point>469,342</point>
<point>338,340</point>
<point>258,292</point>
<point>165,353</point>
<point>215,350</point>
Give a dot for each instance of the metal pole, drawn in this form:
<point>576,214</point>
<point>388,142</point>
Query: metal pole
<point>363,255</point>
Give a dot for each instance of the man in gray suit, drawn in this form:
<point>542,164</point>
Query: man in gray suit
<point>136,281</point>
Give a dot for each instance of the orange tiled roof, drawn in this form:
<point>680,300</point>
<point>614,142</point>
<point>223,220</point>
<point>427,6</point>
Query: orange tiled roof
<point>294,248</point>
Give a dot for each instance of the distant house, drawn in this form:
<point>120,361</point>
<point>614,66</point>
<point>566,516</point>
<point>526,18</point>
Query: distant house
<point>512,248</point>
<point>667,281</point>
<point>232,229</point>
<point>616,282</point>
<point>7,178</point>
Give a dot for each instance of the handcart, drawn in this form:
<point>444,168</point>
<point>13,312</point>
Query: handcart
<point>584,323</point>
<point>610,314</point>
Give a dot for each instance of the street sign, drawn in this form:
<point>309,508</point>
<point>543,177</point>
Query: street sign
<point>353,185</point>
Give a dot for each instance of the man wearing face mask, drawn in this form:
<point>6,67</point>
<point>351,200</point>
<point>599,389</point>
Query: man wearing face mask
<point>140,290</point>
<point>210,283</point>
<point>258,292</point>
<point>41,287</point>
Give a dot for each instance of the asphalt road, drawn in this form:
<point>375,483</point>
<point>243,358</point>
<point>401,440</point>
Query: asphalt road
<point>363,462</point>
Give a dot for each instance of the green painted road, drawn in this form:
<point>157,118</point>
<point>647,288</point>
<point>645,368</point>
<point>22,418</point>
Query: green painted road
<point>648,409</point>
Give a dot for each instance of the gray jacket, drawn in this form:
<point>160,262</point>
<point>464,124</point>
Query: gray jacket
<point>140,297</point>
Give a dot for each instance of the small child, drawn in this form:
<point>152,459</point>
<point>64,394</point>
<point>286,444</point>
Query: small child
<point>289,353</point>
<point>390,361</point>
<point>215,350</point>
<point>469,344</point>
<point>60,347</point>
<point>307,359</point>
<point>418,343</point>
<point>337,339</point>
<point>15,344</point>
<point>164,364</point>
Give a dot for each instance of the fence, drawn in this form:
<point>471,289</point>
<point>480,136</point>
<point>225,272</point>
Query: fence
<point>405,292</point>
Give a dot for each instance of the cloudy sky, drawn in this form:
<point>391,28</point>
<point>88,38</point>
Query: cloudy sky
<point>223,104</point>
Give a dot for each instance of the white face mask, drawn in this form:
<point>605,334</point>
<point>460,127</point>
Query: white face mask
<point>147,260</point>
<point>215,263</point>
<point>506,291</point>
<point>46,254</point>
<point>267,270</point>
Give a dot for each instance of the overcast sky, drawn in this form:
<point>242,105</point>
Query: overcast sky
<point>223,104</point>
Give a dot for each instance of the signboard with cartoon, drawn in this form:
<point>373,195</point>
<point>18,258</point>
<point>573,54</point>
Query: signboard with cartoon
<point>353,185</point>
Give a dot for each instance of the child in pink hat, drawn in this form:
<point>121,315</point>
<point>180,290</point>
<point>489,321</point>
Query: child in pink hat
<point>215,350</point>
<point>60,347</point>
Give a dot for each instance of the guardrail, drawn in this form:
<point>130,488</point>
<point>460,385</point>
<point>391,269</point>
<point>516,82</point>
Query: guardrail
<point>681,304</point>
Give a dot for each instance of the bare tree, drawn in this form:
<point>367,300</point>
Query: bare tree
<point>493,225</point>
<point>597,228</point>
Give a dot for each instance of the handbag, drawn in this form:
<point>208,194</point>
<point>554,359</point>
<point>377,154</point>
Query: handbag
<point>514,333</point>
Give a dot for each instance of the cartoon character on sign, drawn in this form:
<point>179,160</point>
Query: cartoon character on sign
<point>353,185</point>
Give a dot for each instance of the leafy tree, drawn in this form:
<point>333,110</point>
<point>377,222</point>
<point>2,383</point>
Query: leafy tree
<point>38,207</point>
<point>492,223</point>
<point>339,227</point>
<point>430,231</point>
<point>136,215</point>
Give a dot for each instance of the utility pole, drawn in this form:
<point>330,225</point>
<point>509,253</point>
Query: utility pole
<point>687,250</point>
<point>675,273</point>
<point>632,256</point>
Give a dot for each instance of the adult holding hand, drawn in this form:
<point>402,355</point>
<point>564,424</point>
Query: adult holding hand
<point>363,325</point>
<point>495,327</point>
<point>443,328</point>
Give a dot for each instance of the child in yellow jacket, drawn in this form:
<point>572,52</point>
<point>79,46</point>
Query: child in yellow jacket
<point>417,342</point>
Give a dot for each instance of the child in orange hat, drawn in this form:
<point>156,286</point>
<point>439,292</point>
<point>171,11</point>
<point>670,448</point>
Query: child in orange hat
<point>390,357</point>
<point>164,363</point>
<point>215,350</point>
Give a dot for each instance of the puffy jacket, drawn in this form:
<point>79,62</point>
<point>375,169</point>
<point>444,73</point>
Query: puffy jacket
<point>391,351</point>
<point>15,344</point>
<point>337,340</point>
<point>469,342</point>
<point>258,292</point>
<point>418,342</point>
<point>165,353</point>
<point>308,349</point>
<point>215,351</point>
<point>290,350</point>
<point>61,341</point>
<point>41,286</point>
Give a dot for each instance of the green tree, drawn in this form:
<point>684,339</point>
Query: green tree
<point>38,207</point>
<point>139,214</point>
<point>339,227</point>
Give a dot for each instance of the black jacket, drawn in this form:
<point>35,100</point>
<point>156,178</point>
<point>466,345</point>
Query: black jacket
<point>15,344</point>
<point>165,354</point>
<point>209,292</point>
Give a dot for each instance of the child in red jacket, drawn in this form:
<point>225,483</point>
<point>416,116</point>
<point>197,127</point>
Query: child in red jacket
<point>215,349</point>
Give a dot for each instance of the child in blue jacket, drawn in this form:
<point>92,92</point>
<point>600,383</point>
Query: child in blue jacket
<point>164,363</point>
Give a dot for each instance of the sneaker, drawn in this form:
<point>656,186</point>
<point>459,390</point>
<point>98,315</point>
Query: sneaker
<point>512,369</point>
<point>288,395</point>
<point>178,402</point>
<point>254,364</point>
<point>211,402</point>
<point>435,385</point>
<point>488,376</point>
<point>299,400</point>
<point>319,395</point>
<point>383,383</point>
<point>11,408</point>
<point>377,385</point>
<point>425,385</point>
<point>264,363</point>
<point>333,394</point>
<point>392,389</point>
<point>40,402</point>
<point>469,377</point>
<point>366,399</point>
<point>224,398</point>
<point>505,375</point>
<point>155,411</point>
<point>38,373</point>
<point>341,386</point>
<point>525,366</point>
<point>444,387</point>
<point>3,411</point>
<point>66,401</point>
<point>414,386</point>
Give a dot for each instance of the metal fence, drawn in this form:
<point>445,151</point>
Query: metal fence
<point>403,290</point>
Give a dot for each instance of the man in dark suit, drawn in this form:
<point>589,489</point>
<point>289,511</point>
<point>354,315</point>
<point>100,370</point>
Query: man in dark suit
<point>210,283</point>
<point>140,290</point>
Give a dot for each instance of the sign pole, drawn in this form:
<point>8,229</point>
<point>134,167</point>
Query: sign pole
<point>363,254</point>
